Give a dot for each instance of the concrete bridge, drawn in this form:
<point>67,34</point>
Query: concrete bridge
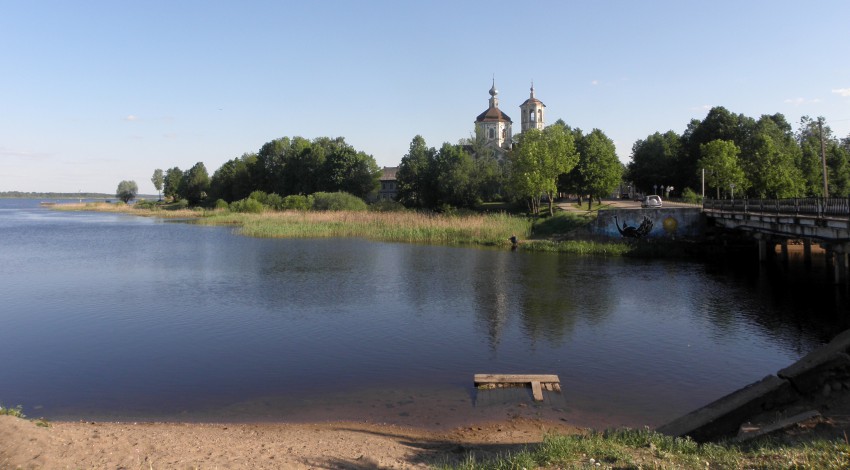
<point>772,222</point>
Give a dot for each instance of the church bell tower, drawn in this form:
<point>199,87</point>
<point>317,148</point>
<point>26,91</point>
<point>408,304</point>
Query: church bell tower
<point>533,113</point>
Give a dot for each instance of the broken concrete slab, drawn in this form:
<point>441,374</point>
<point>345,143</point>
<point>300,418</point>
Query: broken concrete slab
<point>809,374</point>
<point>750,432</point>
<point>724,416</point>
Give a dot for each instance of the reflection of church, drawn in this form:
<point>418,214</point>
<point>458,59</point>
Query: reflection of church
<point>494,126</point>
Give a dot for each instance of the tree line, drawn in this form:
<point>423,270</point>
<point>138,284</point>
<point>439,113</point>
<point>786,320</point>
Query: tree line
<point>285,166</point>
<point>541,164</point>
<point>744,157</point>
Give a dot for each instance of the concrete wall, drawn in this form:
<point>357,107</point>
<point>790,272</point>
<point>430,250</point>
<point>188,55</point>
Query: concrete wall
<point>671,223</point>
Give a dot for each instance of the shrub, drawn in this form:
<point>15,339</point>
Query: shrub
<point>181,204</point>
<point>221,204</point>
<point>387,206</point>
<point>297,202</point>
<point>274,201</point>
<point>247,205</point>
<point>143,204</point>
<point>690,196</point>
<point>259,196</point>
<point>338,201</point>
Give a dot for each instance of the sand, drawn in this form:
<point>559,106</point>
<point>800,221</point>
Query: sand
<point>118,445</point>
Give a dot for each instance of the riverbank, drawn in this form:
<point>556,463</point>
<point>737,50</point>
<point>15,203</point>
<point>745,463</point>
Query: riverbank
<point>546,234</point>
<point>515,443</point>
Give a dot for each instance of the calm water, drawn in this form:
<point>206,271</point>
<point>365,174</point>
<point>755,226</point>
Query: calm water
<point>107,316</point>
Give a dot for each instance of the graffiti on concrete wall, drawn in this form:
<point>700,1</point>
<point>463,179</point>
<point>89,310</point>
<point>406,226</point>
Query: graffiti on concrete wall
<point>628,231</point>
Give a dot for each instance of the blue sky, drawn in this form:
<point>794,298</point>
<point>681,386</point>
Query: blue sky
<point>95,92</point>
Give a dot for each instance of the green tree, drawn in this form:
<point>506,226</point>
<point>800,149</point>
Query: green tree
<point>453,170</point>
<point>232,181</point>
<point>599,171</point>
<point>415,177</point>
<point>157,179</point>
<point>655,161</point>
<point>722,169</point>
<point>173,180</point>
<point>771,166</point>
<point>196,183</point>
<point>539,158</point>
<point>127,191</point>
<point>815,138</point>
<point>719,124</point>
<point>347,170</point>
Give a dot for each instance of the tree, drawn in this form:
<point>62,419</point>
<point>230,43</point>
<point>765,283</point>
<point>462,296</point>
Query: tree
<point>346,169</point>
<point>232,181</point>
<point>599,171</point>
<point>196,183</point>
<point>815,138</point>
<point>173,180</point>
<point>127,191</point>
<point>655,161</point>
<point>539,159</point>
<point>722,170</point>
<point>416,185</point>
<point>453,170</point>
<point>771,164</point>
<point>157,180</point>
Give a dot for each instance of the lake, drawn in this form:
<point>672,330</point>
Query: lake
<point>109,316</point>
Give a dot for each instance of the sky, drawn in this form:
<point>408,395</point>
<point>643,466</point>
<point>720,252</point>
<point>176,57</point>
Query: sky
<point>96,92</point>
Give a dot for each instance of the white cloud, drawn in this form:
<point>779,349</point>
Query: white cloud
<point>705,107</point>
<point>594,82</point>
<point>842,92</point>
<point>131,117</point>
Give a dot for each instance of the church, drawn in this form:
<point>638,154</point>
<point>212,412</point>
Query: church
<point>495,126</point>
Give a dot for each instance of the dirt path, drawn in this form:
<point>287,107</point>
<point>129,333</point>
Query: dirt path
<point>23,444</point>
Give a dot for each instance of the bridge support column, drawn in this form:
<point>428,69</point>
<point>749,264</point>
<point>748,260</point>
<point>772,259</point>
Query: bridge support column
<point>807,252</point>
<point>840,263</point>
<point>762,248</point>
<point>784,245</point>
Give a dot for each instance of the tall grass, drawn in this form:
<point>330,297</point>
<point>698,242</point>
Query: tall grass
<point>408,227</point>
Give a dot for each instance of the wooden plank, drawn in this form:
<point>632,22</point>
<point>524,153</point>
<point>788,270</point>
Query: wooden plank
<point>514,378</point>
<point>536,392</point>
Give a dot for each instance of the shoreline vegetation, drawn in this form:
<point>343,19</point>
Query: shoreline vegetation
<point>545,234</point>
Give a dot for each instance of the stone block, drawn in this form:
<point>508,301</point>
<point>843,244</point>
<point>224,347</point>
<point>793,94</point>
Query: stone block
<point>723,417</point>
<point>809,374</point>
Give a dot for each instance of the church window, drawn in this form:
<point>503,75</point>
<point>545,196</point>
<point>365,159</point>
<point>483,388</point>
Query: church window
<point>504,133</point>
<point>533,116</point>
<point>541,114</point>
<point>492,133</point>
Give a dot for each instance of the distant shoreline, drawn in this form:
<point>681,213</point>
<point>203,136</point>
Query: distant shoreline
<point>23,195</point>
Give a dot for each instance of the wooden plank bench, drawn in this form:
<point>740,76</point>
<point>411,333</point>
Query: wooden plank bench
<point>537,381</point>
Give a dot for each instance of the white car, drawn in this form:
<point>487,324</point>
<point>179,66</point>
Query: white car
<point>651,202</point>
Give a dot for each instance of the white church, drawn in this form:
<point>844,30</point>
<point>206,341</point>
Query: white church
<point>495,126</point>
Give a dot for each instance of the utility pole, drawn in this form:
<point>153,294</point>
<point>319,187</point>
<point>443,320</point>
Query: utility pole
<point>823,157</point>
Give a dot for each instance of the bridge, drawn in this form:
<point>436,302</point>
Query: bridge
<point>825,221</point>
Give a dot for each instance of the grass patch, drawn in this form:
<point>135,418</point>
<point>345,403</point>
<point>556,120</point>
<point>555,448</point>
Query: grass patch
<point>17,411</point>
<point>561,223</point>
<point>638,449</point>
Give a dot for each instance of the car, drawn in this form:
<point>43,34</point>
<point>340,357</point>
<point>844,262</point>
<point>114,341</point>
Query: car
<point>651,201</point>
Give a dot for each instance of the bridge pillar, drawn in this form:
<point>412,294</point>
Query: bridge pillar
<point>807,252</point>
<point>840,263</point>
<point>784,245</point>
<point>762,249</point>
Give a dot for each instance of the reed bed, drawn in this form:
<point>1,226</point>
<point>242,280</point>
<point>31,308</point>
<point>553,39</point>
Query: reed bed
<point>407,227</point>
<point>128,209</point>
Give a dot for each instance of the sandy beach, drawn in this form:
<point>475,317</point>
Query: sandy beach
<point>113,445</point>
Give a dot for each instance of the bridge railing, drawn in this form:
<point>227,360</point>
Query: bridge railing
<point>831,207</point>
